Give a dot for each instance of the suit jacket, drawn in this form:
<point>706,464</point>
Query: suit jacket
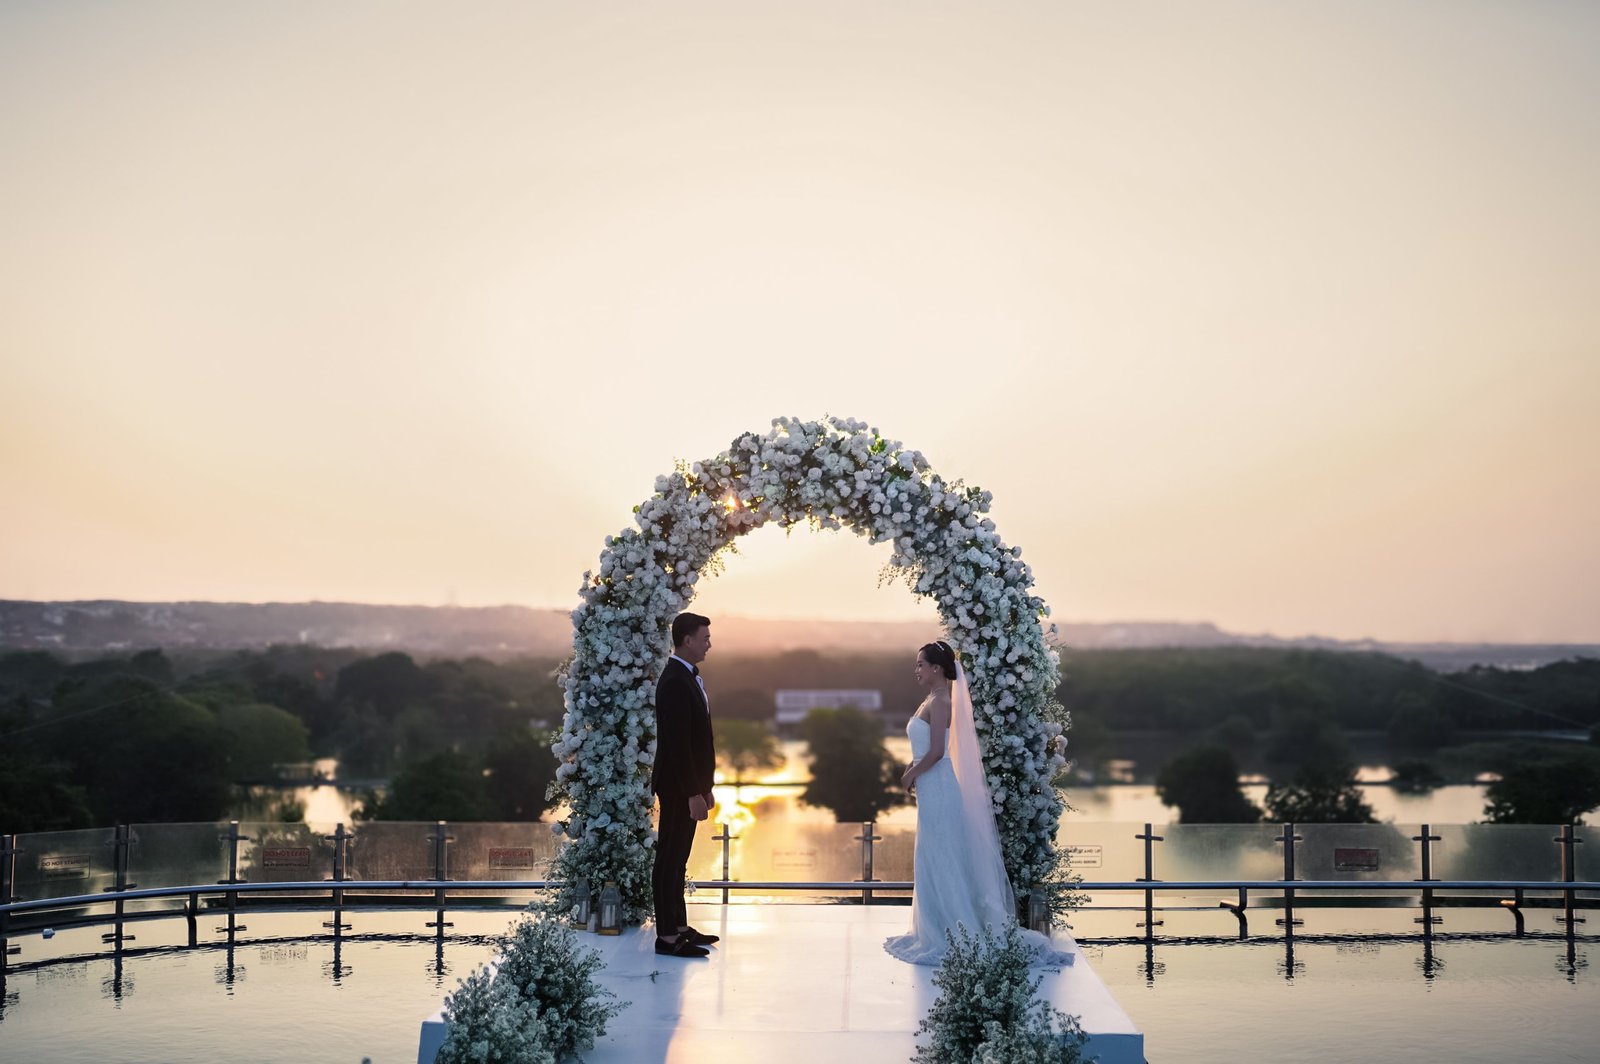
<point>686,759</point>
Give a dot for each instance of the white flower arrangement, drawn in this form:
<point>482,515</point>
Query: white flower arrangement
<point>538,1004</point>
<point>835,473</point>
<point>988,1010</point>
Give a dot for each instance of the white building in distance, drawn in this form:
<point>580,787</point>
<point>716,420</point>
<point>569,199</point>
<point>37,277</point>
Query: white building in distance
<point>794,705</point>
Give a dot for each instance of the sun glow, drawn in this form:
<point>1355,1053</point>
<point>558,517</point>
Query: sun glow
<point>731,813</point>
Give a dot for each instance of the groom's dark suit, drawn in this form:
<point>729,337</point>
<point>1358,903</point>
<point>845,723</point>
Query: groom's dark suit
<point>685,763</point>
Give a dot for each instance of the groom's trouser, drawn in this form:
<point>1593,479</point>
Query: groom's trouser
<point>674,837</point>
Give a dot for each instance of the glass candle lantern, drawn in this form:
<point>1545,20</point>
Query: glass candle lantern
<point>581,911</point>
<point>1038,911</point>
<point>610,910</point>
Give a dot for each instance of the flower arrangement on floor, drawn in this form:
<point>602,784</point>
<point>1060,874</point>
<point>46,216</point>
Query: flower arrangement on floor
<point>537,1004</point>
<point>835,473</point>
<point>988,1011</point>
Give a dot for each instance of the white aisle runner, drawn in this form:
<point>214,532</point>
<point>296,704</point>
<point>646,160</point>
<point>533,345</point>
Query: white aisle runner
<point>796,983</point>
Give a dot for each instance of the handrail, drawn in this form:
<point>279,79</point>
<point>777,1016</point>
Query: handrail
<point>435,885</point>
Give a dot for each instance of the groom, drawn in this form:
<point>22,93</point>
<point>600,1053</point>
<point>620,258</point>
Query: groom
<point>681,778</point>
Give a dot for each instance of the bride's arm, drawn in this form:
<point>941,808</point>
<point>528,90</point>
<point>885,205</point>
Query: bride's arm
<point>938,728</point>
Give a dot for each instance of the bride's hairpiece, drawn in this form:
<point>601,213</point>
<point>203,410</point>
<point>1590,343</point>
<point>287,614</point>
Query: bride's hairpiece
<point>943,655</point>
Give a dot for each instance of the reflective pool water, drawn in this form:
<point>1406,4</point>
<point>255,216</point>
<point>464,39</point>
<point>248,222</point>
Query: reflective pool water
<point>1351,985</point>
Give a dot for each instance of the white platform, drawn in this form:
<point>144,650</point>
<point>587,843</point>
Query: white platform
<point>796,983</point>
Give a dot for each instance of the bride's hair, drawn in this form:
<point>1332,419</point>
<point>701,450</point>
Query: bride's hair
<point>941,655</point>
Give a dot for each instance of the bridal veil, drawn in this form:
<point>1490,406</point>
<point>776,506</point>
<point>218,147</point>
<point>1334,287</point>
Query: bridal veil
<point>993,887</point>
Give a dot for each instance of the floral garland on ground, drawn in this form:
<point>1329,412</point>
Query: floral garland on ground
<point>836,473</point>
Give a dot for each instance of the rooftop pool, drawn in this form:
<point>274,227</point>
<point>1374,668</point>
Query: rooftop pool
<point>1349,984</point>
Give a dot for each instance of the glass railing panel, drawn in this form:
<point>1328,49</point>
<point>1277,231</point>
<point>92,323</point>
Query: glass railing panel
<point>510,851</point>
<point>796,851</point>
<point>894,854</point>
<point>284,853</point>
<point>383,850</point>
<point>62,864</point>
<point>1496,851</point>
<point>1357,851</point>
<point>1587,857</point>
<point>1106,851</point>
<point>179,855</point>
<point>705,856</point>
<point>1210,852</point>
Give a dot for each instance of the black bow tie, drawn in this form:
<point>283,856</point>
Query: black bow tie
<point>695,669</point>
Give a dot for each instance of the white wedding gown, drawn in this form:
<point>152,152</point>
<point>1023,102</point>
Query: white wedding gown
<point>956,882</point>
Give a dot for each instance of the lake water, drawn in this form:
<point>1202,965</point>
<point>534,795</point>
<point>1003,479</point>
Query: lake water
<point>1119,802</point>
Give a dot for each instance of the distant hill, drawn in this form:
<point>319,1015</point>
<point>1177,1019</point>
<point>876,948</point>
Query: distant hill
<point>80,628</point>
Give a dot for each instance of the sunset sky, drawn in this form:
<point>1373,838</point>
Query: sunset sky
<point>1282,316</point>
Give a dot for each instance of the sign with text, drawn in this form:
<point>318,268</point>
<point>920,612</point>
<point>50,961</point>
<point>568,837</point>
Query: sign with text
<point>1086,856</point>
<point>286,857</point>
<point>507,858</point>
<point>794,859</point>
<point>1354,859</point>
<point>64,865</point>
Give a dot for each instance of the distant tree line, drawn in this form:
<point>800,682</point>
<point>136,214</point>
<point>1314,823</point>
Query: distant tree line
<point>1193,690</point>
<point>146,737</point>
<point>1196,689</point>
<point>1295,714</point>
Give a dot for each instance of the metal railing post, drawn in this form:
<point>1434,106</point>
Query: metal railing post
<point>1150,839</point>
<point>1427,919</point>
<point>1569,874</point>
<point>119,861</point>
<point>725,838</point>
<point>1239,911</point>
<point>867,837</point>
<point>1288,839</point>
<point>119,865</point>
<point>8,877</point>
<point>1513,905</point>
<point>341,849</point>
<point>234,839</point>
<point>440,840</point>
<point>1151,966</point>
<point>340,839</point>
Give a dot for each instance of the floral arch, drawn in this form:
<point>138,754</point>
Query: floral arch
<point>834,473</point>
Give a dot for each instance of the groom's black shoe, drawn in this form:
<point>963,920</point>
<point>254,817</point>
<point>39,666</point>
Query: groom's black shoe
<point>699,938</point>
<point>681,948</point>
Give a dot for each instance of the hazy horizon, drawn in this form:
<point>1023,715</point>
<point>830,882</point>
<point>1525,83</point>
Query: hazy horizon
<point>743,642</point>
<point>1275,317</point>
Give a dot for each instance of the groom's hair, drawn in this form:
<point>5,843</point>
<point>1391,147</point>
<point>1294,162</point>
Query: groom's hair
<point>685,625</point>
<point>941,655</point>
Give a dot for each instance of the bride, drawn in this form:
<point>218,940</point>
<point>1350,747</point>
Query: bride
<point>960,877</point>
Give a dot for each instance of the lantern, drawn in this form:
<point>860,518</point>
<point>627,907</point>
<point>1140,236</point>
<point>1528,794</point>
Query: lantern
<point>610,910</point>
<point>581,911</point>
<point>1038,911</point>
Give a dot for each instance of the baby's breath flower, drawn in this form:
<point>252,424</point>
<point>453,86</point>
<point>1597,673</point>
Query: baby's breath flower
<point>537,1004</point>
<point>988,1010</point>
